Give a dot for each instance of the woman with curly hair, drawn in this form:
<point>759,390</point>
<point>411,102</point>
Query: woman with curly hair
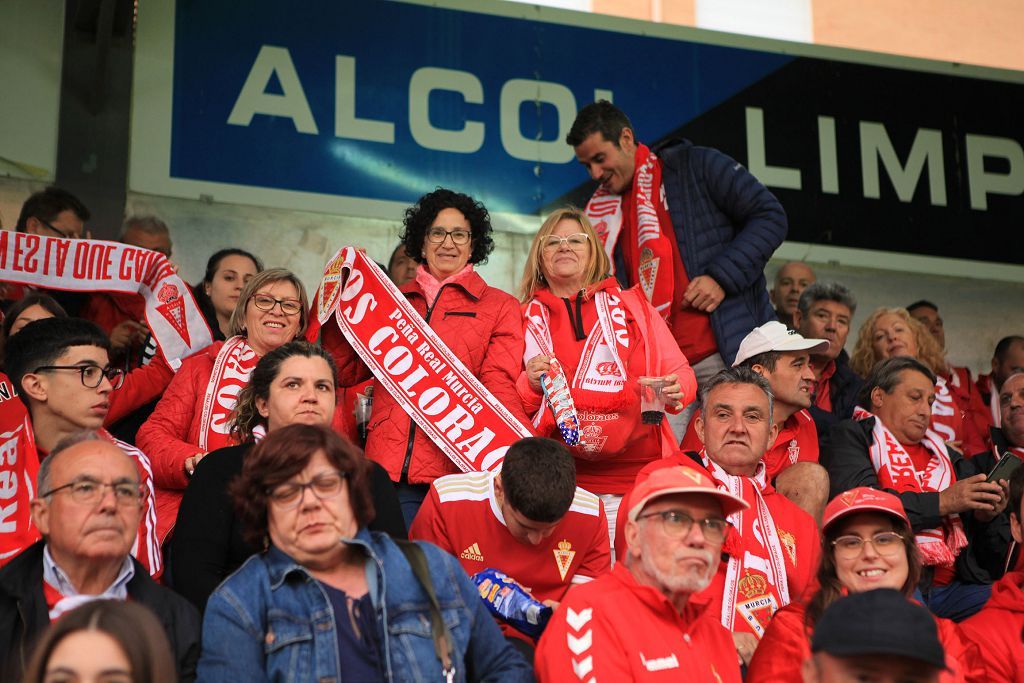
<point>447,233</point>
<point>890,332</point>
<point>867,543</point>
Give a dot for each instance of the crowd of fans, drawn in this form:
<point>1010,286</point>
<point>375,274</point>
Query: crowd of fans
<point>712,489</point>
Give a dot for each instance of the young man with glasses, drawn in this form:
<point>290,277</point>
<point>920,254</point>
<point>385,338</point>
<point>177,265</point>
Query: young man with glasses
<point>644,621</point>
<point>61,370</point>
<point>88,507</point>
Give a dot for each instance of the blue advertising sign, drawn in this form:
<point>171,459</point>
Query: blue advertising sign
<point>387,100</point>
<point>348,107</point>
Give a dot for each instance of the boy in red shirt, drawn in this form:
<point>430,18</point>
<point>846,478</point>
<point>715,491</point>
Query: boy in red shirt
<point>529,521</point>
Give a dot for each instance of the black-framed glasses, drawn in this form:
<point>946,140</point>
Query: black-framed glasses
<point>324,486</point>
<point>438,235</point>
<point>884,543</point>
<point>677,524</point>
<point>92,375</point>
<point>265,302</point>
<point>57,231</point>
<point>577,241</point>
<point>88,491</point>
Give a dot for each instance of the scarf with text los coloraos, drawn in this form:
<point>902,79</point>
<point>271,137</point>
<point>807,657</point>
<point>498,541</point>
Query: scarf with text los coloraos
<point>895,469</point>
<point>98,266</point>
<point>231,371</point>
<point>756,580</point>
<point>651,224</point>
<point>411,362</point>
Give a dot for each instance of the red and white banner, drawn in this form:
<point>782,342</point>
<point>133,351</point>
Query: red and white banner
<point>411,362</point>
<point>99,266</point>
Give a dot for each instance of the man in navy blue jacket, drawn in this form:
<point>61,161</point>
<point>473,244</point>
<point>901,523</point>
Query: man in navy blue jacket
<point>689,224</point>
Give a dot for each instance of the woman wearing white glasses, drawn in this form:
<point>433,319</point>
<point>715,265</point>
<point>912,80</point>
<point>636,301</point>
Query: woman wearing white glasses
<point>193,417</point>
<point>605,339</point>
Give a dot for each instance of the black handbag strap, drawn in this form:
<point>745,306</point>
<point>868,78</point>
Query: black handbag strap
<point>443,643</point>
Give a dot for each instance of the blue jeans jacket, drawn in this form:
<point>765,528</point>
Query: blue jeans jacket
<point>271,621</point>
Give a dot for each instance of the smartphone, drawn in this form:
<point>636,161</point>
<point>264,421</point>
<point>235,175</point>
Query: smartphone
<point>1005,468</point>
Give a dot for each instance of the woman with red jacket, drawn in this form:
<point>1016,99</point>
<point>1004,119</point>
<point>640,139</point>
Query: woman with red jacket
<point>193,417</point>
<point>447,233</point>
<point>867,543</point>
<point>604,339</point>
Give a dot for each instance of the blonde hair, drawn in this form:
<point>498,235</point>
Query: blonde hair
<point>533,276</point>
<point>864,357</point>
<point>261,279</point>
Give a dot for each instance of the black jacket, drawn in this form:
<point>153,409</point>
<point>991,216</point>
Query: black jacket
<point>24,615</point>
<point>207,545</point>
<point>847,458</point>
<point>843,388</point>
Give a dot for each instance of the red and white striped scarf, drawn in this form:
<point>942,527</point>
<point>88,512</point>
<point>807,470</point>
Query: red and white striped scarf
<point>231,371</point>
<point>896,470</point>
<point>650,222</point>
<point>756,580</point>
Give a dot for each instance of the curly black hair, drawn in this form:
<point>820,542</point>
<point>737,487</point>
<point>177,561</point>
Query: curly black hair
<point>420,216</point>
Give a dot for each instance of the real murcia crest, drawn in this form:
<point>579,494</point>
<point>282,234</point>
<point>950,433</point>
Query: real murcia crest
<point>648,271</point>
<point>563,557</point>
<point>793,451</point>
<point>329,290</point>
<point>789,543</point>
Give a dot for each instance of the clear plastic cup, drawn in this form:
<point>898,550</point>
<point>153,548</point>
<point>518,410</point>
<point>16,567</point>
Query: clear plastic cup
<point>363,410</point>
<point>652,400</point>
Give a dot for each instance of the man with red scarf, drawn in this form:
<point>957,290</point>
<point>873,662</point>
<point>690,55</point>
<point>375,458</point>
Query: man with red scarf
<point>954,511</point>
<point>690,225</point>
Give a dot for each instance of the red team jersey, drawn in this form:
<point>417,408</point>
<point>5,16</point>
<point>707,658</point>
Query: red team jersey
<point>797,442</point>
<point>461,515</point>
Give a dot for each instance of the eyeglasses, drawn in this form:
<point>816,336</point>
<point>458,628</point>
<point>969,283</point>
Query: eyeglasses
<point>265,302</point>
<point>58,231</point>
<point>324,486</point>
<point>92,375</point>
<point>884,543</point>
<point>577,241</point>
<point>439,235</point>
<point>677,524</point>
<point>90,492</point>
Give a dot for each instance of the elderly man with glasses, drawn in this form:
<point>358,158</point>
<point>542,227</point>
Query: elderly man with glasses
<point>62,373</point>
<point>644,621</point>
<point>89,504</point>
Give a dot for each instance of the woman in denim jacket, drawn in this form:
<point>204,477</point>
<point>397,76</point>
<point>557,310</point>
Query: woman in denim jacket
<point>329,600</point>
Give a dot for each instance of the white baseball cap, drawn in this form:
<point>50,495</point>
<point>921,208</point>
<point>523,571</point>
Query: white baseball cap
<point>774,336</point>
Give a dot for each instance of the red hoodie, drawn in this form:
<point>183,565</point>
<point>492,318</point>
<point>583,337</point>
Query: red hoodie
<point>998,631</point>
<point>615,629</point>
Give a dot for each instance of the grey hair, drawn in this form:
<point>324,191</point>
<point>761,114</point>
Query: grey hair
<point>886,376</point>
<point>740,375</point>
<point>68,442</point>
<point>151,225</point>
<point>825,291</point>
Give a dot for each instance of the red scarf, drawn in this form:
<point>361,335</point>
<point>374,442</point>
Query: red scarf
<point>98,266</point>
<point>947,420</point>
<point>459,415</point>
<point>231,371</point>
<point>651,224</point>
<point>895,470</point>
<point>756,580</point>
<point>19,466</point>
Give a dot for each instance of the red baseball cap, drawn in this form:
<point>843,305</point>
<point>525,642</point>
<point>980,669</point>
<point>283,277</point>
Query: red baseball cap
<point>680,479</point>
<point>863,499</point>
